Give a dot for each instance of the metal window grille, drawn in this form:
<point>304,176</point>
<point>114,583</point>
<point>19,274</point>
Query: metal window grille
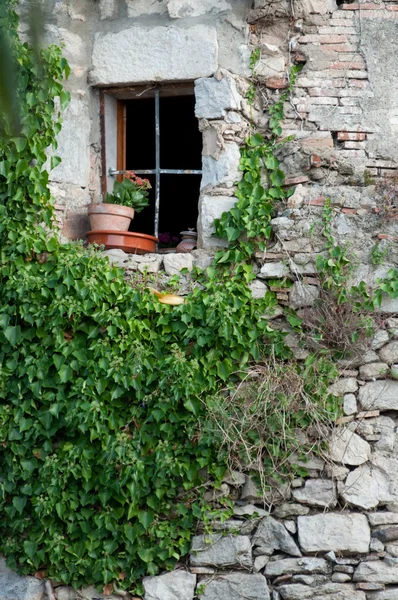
<point>158,171</point>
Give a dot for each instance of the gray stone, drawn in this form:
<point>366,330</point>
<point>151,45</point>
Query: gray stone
<point>273,535</point>
<point>74,145</point>
<point>341,577</point>
<point>182,9</point>
<point>350,404</point>
<point>177,585</point>
<point>136,8</point>
<point>251,492</point>
<point>210,208</point>
<point>348,448</point>
<point>376,571</point>
<point>388,305</point>
<point>64,592</point>
<point>107,8</point>
<point>389,594</point>
<point>394,371</point>
<point>376,545</point>
<point>328,591</point>
<point>235,478</point>
<point>214,97</point>
<point>383,518</point>
<point>379,395</point>
<point>224,171</point>
<point>379,339</point>
<point>91,593</point>
<point>154,54</point>
<point>389,353</point>
<point>290,510</point>
<point>260,562</point>
<point>201,259</point>
<point>291,566</point>
<point>317,492</point>
<point>173,263</point>
<point>235,586</point>
<point>390,548</point>
<point>273,270</point>
<point>344,386</point>
<point>310,462</point>
<point>290,526</point>
<point>337,472</point>
<point>373,371</point>
<point>338,532</point>
<point>14,587</point>
<point>302,294</point>
<point>221,551</point>
<point>258,288</point>
<point>249,510</point>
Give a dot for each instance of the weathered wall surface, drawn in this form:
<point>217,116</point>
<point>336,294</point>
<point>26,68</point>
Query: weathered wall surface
<point>334,535</point>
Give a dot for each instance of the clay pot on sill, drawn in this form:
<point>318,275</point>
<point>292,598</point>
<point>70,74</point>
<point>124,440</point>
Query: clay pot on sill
<point>109,217</point>
<point>129,241</point>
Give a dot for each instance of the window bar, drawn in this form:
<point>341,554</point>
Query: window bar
<point>157,133</point>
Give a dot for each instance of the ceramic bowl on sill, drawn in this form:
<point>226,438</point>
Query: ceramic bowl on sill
<point>129,241</point>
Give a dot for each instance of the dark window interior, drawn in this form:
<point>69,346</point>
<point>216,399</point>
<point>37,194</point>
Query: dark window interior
<point>180,148</point>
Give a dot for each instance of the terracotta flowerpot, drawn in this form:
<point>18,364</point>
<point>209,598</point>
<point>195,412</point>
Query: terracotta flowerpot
<point>136,243</point>
<point>109,217</point>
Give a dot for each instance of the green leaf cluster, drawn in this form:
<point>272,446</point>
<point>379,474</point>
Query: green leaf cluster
<point>128,193</point>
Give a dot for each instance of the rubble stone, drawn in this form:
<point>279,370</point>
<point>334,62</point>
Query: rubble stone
<point>317,492</point>
<point>273,535</point>
<point>345,532</point>
<point>177,585</point>
<point>235,586</point>
<point>221,551</point>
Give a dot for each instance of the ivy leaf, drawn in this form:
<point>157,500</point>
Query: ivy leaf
<point>13,334</point>
<point>65,373</point>
<point>55,161</point>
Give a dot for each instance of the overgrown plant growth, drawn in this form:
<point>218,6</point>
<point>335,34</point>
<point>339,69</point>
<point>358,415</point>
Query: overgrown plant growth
<point>101,387</point>
<point>104,390</point>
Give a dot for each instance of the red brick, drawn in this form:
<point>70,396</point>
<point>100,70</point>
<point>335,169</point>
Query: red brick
<point>319,201</point>
<point>359,83</point>
<point>317,142</point>
<point>338,47</point>
<point>354,145</point>
<point>277,83</point>
<point>393,7</point>
<point>349,211</point>
<point>322,39</point>
<point>316,161</point>
<point>348,65</point>
<point>296,180</point>
<point>365,6</point>
<point>385,236</point>
<point>351,136</point>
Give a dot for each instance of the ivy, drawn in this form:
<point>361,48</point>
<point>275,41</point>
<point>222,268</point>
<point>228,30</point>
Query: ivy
<point>247,225</point>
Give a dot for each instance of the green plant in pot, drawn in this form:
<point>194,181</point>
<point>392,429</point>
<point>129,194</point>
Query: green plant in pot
<point>117,210</point>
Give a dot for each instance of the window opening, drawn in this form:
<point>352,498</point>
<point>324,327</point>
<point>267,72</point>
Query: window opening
<point>161,132</point>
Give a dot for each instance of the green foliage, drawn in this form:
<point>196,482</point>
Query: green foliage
<point>247,225</point>
<point>388,285</point>
<point>254,59</point>
<point>131,192</point>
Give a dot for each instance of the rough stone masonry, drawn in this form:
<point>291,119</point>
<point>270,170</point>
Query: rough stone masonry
<point>333,535</point>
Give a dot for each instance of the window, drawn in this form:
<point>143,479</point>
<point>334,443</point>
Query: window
<point>153,132</point>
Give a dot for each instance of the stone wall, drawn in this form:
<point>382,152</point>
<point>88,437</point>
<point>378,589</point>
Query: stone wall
<point>333,535</point>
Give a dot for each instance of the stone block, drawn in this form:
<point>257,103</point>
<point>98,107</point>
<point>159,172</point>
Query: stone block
<point>379,395</point>
<point>15,587</point>
<point>139,54</point>
<point>303,295</point>
<point>224,171</point>
<point>258,289</point>
<point>182,9</point>
<point>272,535</point>
<point>345,532</point>
<point>328,591</point>
<point>389,353</point>
<point>177,585</point>
<point>372,371</point>
<point>317,492</point>
<point>173,263</point>
<point>138,8</point>
<point>213,97</point>
<point>307,564</point>
<point>74,146</point>
<point>290,510</point>
<point>350,404</point>
<point>274,271</point>
<point>376,572</point>
<point>221,551</point>
<point>345,385</point>
<point>235,586</point>
<point>107,8</point>
<point>348,447</point>
<point>210,208</point>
